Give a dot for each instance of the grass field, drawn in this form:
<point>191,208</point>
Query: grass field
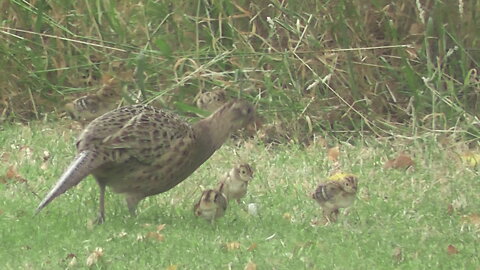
<point>376,78</point>
<point>425,218</point>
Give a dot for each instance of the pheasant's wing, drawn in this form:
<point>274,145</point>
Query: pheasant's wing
<point>141,132</point>
<point>221,201</point>
<point>325,191</point>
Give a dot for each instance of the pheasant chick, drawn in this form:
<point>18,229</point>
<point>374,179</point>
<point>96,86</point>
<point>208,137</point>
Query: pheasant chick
<point>85,109</point>
<point>212,205</point>
<point>235,182</point>
<point>211,101</point>
<point>336,194</point>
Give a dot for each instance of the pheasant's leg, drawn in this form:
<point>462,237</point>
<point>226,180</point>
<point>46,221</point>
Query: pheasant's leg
<point>132,202</point>
<point>101,202</point>
<point>327,212</point>
<point>334,215</point>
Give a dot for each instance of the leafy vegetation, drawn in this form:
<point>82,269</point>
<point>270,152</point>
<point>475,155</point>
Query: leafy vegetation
<point>382,66</point>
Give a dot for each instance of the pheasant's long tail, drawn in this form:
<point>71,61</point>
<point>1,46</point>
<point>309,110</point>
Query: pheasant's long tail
<point>81,166</point>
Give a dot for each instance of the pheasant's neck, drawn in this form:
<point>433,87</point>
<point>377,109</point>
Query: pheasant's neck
<point>211,133</point>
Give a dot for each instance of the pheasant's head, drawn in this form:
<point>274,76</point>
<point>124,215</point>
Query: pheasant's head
<point>350,184</point>
<point>236,113</point>
<point>244,172</point>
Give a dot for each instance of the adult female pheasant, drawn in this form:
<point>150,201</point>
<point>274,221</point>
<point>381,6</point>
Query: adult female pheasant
<point>141,151</point>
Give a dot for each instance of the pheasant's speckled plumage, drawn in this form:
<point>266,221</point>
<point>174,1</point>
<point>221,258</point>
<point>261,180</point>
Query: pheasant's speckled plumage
<point>235,183</point>
<point>211,101</point>
<point>141,151</point>
<point>336,194</point>
<point>212,205</point>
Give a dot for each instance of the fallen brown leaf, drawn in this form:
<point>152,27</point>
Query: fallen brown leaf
<point>71,255</point>
<point>11,172</point>
<point>25,152</point>
<point>73,262</point>
<point>287,216</point>
<point>397,254</point>
<point>450,209</point>
<point>402,161</point>
<point>473,219</point>
<point>252,247</point>
<point>156,236</point>
<point>250,266</point>
<point>94,256</point>
<point>46,155</point>
<point>333,153</point>
<point>44,166</point>
<point>161,227</point>
<point>452,250</point>
<point>232,246</point>
<point>172,267</point>
<point>5,157</point>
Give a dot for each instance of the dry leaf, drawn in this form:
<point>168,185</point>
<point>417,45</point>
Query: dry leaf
<point>120,234</point>
<point>5,157</point>
<point>93,258</point>
<point>450,209</point>
<point>71,255</point>
<point>156,236</point>
<point>397,254</point>
<point>402,161</point>
<point>25,152</point>
<point>140,237</point>
<point>250,266</point>
<point>44,166</point>
<point>161,227</point>
<point>72,262</point>
<point>333,153</point>
<point>11,172</point>
<point>172,267</point>
<point>252,247</point>
<point>473,219</point>
<point>452,250</point>
<point>287,216</point>
<point>46,155</point>
<point>232,245</point>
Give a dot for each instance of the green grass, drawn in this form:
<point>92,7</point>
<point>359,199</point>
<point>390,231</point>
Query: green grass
<point>395,210</point>
<point>339,64</point>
